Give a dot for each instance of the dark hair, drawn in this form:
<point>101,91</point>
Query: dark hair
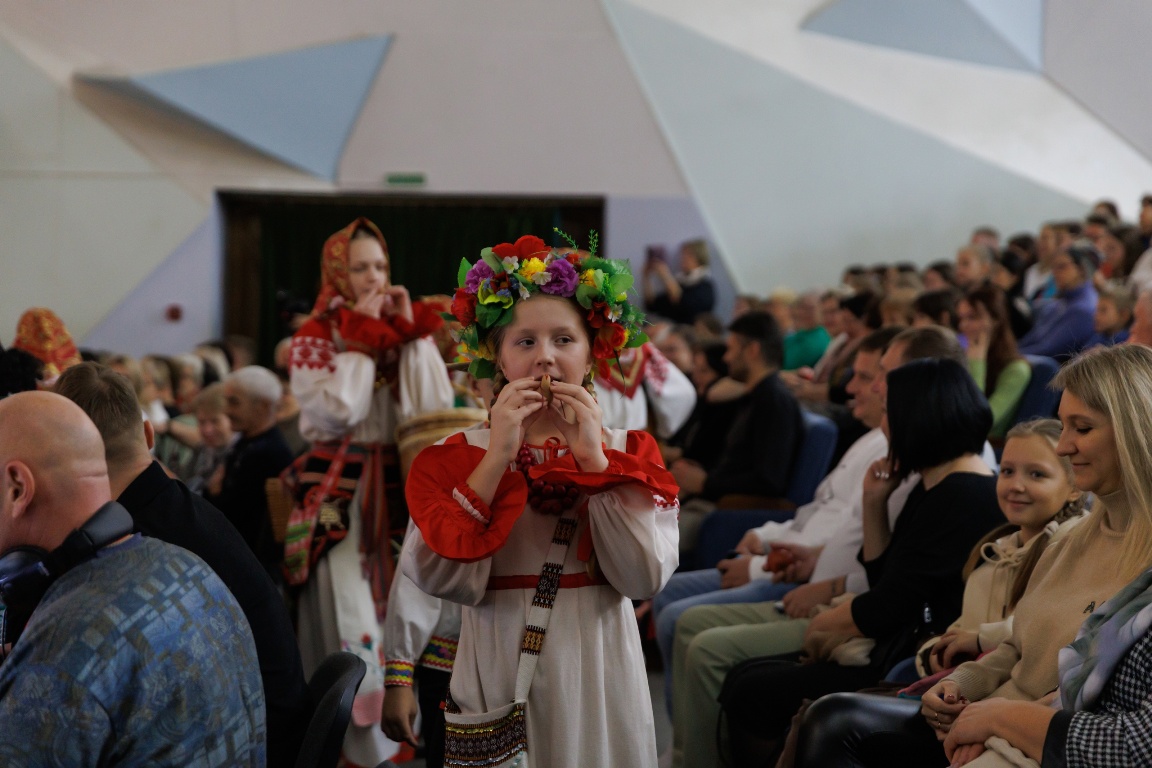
<point>935,414</point>
<point>934,343</point>
<point>1002,344</point>
<point>109,400</point>
<point>1013,262</point>
<point>858,303</point>
<point>1085,256</point>
<point>1023,244</point>
<point>878,341</point>
<point>1109,206</point>
<point>1129,237</point>
<point>945,269</point>
<point>937,304</point>
<point>1102,219</point>
<point>713,352</point>
<point>907,268</point>
<point>761,327</point>
<point>19,371</point>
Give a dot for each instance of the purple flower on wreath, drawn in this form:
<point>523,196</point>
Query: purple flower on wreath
<point>564,279</point>
<point>480,271</point>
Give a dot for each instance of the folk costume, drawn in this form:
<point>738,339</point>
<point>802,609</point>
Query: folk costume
<point>588,703</point>
<point>641,389</point>
<point>355,378</point>
<point>42,334</point>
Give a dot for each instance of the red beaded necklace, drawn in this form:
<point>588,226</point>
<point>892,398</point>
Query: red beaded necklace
<point>546,498</point>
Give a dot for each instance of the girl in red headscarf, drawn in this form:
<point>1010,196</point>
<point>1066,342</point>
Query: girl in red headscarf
<point>361,365</point>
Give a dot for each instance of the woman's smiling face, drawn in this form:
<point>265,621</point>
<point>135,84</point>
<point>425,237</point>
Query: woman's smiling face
<point>1089,441</point>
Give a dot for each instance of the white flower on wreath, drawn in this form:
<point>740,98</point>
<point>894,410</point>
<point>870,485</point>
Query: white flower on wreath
<point>511,264</point>
<point>524,293</point>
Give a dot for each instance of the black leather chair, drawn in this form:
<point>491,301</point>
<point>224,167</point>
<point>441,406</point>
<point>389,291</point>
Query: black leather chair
<point>330,694</point>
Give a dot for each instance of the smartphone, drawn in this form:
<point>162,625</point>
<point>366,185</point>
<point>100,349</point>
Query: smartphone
<point>656,253</point>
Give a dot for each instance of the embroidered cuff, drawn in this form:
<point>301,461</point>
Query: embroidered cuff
<point>440,654</point>
<point>398,672</point>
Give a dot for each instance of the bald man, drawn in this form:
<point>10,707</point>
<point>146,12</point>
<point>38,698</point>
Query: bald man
<point>135,653</point>
<point>166,509</point>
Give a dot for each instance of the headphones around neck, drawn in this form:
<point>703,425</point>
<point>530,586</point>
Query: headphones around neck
<point>26,573</point>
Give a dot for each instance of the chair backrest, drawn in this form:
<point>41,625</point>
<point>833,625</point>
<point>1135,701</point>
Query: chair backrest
<point>813,458</point>
<point>1038,400</point>
<point>331,692</point>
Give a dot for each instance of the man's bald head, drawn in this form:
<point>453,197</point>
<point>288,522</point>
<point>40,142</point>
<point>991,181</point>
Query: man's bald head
<point>53,476</point>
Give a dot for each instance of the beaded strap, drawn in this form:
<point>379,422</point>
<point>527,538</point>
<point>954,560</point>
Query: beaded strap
<point>541,611</point>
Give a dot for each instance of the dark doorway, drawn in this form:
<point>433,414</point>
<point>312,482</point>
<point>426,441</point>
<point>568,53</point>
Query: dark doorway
<point>272,244</point>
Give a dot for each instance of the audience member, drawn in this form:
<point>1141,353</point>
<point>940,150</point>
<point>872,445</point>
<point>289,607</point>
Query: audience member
<point>676,344</point>
<point>1008,274</point>
<point>704,436</point>
<point>974,264</point>
<point>685,293</point>
<point>939,275</point>
<point>762,443</point>
<point>1105,435</point>
<point>1141,330</point>
<point>216,436</point>
<point>238,488</point>
<point>1120,247</point>
<point>19,372</point>
<point>986,236</point>
<point>936,308</point>
<point>128,651</point>
<point>165,509</point>
<point>1113,316</point>
<point>1065,324</point>
<point>746,577</point>
<point>710,640</point>
<point>804,347</point>
<point>995,364</point>
<point>936,419</point>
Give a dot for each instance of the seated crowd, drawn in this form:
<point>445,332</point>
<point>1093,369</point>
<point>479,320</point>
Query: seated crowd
<point>874,481</point>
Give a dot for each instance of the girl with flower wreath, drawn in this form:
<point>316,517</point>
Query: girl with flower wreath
<point>487,501</point>
<point>361,365</point>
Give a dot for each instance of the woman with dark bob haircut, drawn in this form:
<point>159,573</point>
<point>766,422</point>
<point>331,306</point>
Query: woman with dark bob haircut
<point>936,423</point>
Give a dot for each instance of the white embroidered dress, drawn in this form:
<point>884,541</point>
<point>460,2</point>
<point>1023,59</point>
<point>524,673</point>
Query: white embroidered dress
<point>589,703</point>
<point>337,392</point>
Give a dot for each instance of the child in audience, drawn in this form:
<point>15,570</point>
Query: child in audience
<point>1113,316</point>
<point>1038,497</point>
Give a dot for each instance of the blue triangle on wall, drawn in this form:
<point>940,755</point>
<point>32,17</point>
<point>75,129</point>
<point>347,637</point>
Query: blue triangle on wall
<point>298,106</point>
<point>951,29</point>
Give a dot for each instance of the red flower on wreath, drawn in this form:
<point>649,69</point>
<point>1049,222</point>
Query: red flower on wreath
<point>598,314</point>
<point>609,340</point>
<point>524,248</point>
<point>464,306</point>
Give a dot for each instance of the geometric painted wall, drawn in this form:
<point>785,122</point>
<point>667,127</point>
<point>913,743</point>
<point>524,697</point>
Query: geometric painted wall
<point>806,134</point>
<point>798,183</point>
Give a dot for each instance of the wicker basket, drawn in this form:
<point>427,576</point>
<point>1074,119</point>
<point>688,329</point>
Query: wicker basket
<point>421,431</point>
<point>280,504</point>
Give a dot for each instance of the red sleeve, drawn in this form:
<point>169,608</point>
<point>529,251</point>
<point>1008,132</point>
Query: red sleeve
<point>448,528</point>
<point>640,464</point>
<point>425,320</point>
<point>369,335</point>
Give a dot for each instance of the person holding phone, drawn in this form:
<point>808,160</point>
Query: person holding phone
<point>682,295</point>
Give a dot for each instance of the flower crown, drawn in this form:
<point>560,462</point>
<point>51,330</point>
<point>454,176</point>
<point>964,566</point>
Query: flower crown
<point>510,272</point>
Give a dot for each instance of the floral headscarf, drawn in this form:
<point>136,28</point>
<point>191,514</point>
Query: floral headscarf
<point>511,272</point>
<point>334,264</point>
<point>42,334</point>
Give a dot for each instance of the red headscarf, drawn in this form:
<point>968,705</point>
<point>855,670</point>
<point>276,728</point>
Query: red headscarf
<point>42,334</point>
<point>334,264</point>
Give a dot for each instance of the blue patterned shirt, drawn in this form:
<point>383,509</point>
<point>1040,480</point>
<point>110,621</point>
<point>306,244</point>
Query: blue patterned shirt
<point>138,657</point>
